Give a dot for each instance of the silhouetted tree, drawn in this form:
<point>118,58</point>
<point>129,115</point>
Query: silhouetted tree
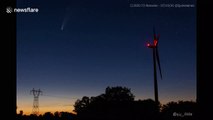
<point>111,94</point>
<point>57,115</point>
<point>118,94</point>
<point>48,116</point>
<point>117,103</point>
<point>143,110</point>
<point>33,117</point>
<point>81,105</point>
<point>20,115</point>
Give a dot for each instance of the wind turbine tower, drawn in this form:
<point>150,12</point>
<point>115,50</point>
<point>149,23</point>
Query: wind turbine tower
<point>156,59</point>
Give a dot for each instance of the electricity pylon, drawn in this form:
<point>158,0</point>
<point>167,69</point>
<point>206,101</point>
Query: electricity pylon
<point>36,94</point>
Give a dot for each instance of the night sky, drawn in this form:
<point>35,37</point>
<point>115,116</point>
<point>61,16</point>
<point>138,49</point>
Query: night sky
<point>73,48</point>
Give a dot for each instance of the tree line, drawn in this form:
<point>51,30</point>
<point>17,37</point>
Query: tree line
<point>118,103</point>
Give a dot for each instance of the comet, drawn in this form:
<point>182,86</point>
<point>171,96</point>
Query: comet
<point>66,19</point>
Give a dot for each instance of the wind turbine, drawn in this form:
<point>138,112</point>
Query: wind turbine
<point>156,58</point>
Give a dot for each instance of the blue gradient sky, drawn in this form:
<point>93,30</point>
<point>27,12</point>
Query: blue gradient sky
<point>102,44</point>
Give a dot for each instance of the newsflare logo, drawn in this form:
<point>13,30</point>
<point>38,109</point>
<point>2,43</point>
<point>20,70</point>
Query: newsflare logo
<point>9,10</point>
<point>21,10</point>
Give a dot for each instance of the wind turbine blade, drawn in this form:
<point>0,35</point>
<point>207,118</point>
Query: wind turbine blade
<point>158,61</point>
<point>155,37</point>
<point>158,37</point>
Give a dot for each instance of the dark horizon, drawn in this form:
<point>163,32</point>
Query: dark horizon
<point>118,103</point>
<point>120,95</point>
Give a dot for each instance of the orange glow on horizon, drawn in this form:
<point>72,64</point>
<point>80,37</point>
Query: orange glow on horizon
<point>46,104</point>
<point>28,111</point>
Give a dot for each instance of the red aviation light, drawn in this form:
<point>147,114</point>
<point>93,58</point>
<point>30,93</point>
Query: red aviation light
<point>148,44</point>
<point>155,42</point>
